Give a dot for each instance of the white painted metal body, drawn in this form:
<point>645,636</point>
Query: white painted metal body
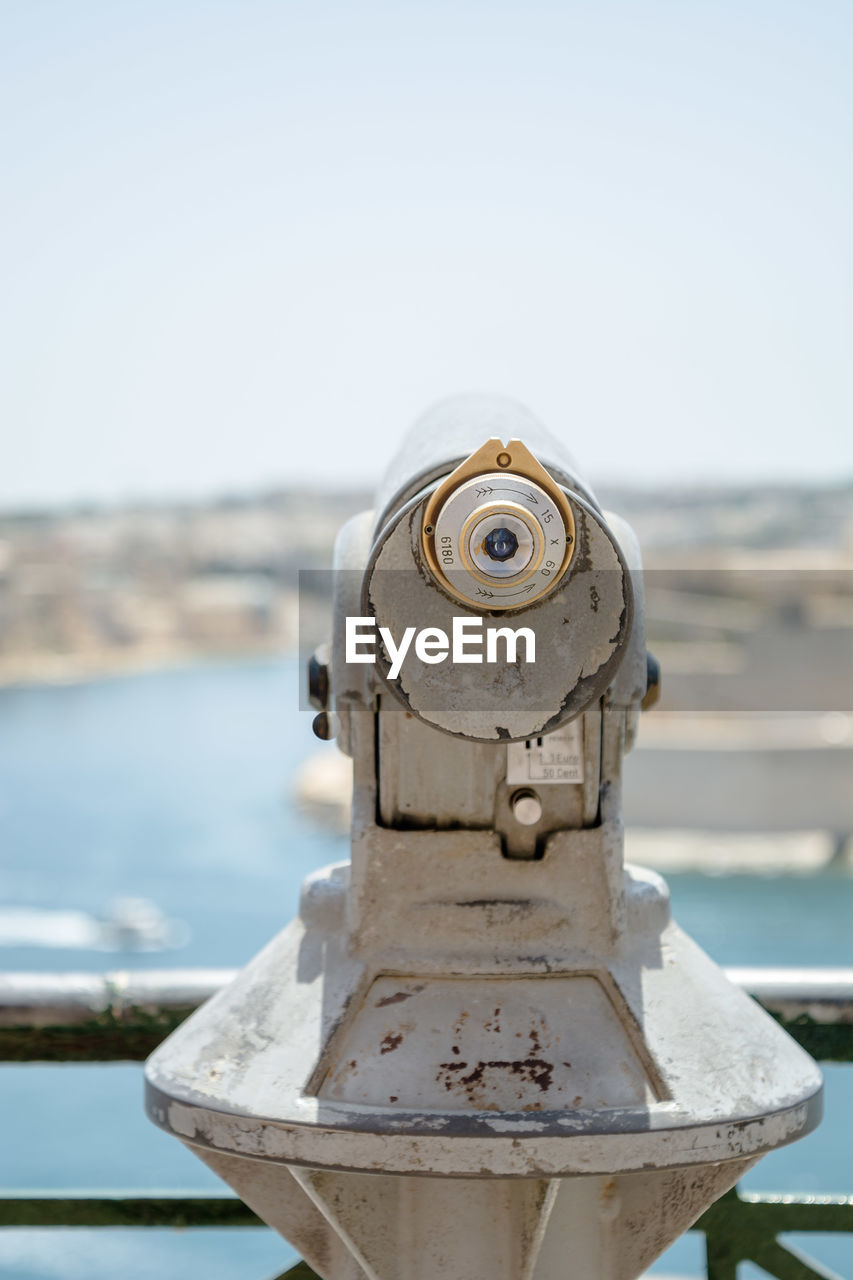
<point>482,1052</point>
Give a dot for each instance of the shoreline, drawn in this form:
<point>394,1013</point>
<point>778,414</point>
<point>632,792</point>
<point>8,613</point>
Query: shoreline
<point>68,670</point>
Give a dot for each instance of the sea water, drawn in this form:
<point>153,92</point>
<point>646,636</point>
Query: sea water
<point>177,787</point>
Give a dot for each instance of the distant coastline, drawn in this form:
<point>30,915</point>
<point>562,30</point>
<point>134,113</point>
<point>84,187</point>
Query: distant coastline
<point>99,591</point>
<point>91,666</point>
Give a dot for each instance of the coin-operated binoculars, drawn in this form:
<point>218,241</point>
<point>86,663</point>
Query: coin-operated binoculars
<point>483,1051</point>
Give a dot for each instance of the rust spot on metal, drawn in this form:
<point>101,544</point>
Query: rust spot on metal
<point>531,1070</point>
<point>397,998</point>
<point>392,1041</point>
<point>520,906</point>
<point>459,1024</point>
<point>345,1070</point>
<point>493,1024</point>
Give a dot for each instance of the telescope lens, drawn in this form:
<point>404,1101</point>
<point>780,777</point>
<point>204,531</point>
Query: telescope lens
<point>500,544</point>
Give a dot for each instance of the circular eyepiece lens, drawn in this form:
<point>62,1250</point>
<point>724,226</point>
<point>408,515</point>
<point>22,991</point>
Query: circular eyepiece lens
<point>500,544</point>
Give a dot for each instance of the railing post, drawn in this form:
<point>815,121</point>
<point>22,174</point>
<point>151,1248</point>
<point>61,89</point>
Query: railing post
<point>720,1261</point>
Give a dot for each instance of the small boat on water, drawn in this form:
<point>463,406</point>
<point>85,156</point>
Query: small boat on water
<point>129,924</point>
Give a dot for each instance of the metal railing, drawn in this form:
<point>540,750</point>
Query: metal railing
<point>122,1017</point>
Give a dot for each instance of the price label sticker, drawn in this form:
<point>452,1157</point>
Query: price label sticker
<point>555,757</point>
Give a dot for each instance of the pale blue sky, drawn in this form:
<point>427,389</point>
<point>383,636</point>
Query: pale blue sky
<point>245,243</point>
